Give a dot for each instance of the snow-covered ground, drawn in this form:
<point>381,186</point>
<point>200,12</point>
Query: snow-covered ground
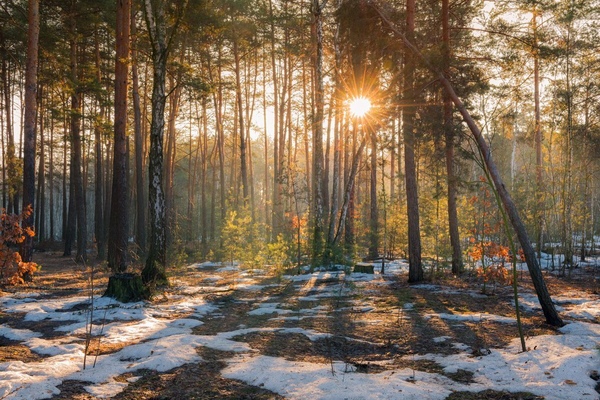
<point>160,337</point>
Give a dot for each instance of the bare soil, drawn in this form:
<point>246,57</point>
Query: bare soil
<point>363,339</point>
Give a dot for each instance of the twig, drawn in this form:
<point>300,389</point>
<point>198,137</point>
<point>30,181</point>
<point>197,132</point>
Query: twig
<point>89,325</point>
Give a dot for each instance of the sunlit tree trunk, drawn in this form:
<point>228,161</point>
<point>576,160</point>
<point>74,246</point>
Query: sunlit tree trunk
<point>51,183</point>
<point>40,213</point>
<point>170,154</point>
<point>154,270</point>
<point>241,124</point>
<point>76,152</point>
<point>138,134</point>
<point>374,210</point>
<point>539,178</point>
<point>317,161</point>
<point>218,107</point>
<point>10,156</point>
<point>65,196</point>
<point>276,215</point>
<point>337,150</point>
<point>99,173</point>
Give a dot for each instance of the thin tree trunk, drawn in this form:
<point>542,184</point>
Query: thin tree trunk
<point>374,211</point>
<point>99,174</point>
<point>338,115</point>
<point>276,195</point>
<point>10,157</point>
<point>457,263</point>
<point>240,125</point>
<point>76,154</point>
<point>40,215</point>
<point>171,136</point>
<point>140,192</point>
<point>51,180</point>
<point>65,196</point>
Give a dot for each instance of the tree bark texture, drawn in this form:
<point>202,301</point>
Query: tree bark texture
<point>76,153</point>
<point>154,270</point>
<point>118,259</point>
<point>317,162</point>
<point>99,174</point>
<point>415,269</point>
<point>29,122</point>
<point>457,263</point>
<point>140,192</point>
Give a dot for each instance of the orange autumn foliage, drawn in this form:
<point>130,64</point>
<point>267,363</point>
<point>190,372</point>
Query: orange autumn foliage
<point>496,256</point>
<point>13,271</point>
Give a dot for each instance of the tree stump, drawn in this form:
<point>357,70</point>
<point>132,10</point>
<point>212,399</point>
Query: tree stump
<point>126,288</point>
<point>364,268</point>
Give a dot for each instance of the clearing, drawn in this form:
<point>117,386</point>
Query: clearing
<point>224,332</point>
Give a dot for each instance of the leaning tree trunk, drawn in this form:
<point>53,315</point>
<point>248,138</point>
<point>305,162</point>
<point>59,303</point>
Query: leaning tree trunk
<point>535,271</point>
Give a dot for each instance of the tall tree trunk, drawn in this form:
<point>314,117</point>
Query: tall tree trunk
<point>10,156</point>
<point>171,137</point>
<point>266,193</point>
<point>71,215</point>
<point>415,269</point>
<point>118,236</point>
<point>539,177</point>
<point>2,142</point>
<point>317,161</point>
<point>241,124</point>
<point>40,214</point>
<point>338,115</point>
<point>203,161</point>
<point>31,72</point>
<point>76,157</point>
<point>154,272</point>
<point>99,174</point>
<point>51,180</point>
<point>65,196</point>
<point>457,263</point>
<point>276,200</point>
<point>140,192</point>
<point>218,106</point>
<point>374,211</point>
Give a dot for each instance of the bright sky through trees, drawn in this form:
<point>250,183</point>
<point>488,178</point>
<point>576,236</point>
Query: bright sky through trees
<point>360,106</point>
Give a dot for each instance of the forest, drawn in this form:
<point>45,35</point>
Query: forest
<point>427,168</point>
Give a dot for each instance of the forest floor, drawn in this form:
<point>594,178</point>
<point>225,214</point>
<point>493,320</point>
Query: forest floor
<point>221,332</point>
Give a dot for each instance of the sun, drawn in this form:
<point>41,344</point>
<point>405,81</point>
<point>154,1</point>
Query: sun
<point>360,106</point>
